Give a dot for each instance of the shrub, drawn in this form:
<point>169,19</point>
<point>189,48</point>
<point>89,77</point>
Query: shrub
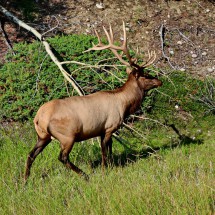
<point>30,78</point>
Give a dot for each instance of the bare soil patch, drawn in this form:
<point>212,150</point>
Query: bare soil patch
<point>189,27</point>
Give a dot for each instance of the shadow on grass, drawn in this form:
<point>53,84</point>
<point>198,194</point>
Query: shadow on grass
<point>130,156</point>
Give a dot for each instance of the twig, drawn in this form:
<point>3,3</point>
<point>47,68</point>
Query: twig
<point>105,60</point>
<point>38,74</point>
<point>4,35</point>
<point>145,118</point>
<point>186,38</point>
<point>74,62</point>
<point>119,79</point>
<point>166,75</point>
<point>100,77</point>
<point>162,34</point>
<point>133,130</point>
<point>93,66</point>
<point>52,27</point>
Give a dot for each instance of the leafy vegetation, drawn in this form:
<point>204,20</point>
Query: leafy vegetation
<point>165,166</point>
<point>30,78</point>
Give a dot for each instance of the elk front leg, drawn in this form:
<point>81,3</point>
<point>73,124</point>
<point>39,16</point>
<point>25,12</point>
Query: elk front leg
<point>106,143</point>
<point>64,158</point>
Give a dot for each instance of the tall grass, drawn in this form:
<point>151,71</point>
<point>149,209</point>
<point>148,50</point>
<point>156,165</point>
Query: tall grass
<point>175,180</point>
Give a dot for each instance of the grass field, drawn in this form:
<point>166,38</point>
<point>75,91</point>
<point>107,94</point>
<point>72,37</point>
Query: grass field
<point>176,179</point>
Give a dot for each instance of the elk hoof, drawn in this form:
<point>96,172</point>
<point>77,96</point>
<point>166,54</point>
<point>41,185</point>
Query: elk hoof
<point>85,176</point>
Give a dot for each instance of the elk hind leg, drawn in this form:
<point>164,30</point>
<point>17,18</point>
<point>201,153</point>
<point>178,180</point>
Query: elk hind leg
<point>38,148</point>
<point>109,150</point>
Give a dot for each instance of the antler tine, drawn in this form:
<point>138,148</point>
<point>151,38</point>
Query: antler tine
<point>151,59</point>
<point>124,36</point>
<point>111,33</point>
<point>132,62</point>
<point>108,36</point>
<point>119,56</point>
<point>99,46</point>
<point>100,43</point>
<point>114,48</point>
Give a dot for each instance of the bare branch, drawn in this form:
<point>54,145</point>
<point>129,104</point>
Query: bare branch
<point>134,130</point>
<point>162,33</point>
<point>52,27</point>
<point>4,35</point>
<point>146,118</point>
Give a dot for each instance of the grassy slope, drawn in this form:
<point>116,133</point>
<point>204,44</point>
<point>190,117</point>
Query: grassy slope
<point>175,180</point>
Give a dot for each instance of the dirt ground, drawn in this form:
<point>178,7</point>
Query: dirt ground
<point>188,28</point>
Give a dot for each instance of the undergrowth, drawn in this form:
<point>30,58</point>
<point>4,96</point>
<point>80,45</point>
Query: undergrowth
<point>175,178</point>
<point>30,79</point>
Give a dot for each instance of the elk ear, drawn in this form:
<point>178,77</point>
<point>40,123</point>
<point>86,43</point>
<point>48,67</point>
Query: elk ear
<point>128,70</point>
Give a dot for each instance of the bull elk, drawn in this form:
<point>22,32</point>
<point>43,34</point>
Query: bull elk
<point>100,114</point>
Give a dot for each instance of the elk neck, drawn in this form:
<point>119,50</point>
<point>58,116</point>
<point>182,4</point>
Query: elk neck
<point>130,95</point>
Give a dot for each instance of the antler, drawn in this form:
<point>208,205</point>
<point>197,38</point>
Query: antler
<point>114,48</point>
<point>123,48</point>
<point>150,61</point>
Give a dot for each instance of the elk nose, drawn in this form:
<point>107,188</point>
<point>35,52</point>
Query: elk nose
<point>158,83</point>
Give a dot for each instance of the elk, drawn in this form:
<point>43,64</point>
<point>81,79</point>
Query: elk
<point>99,114</point>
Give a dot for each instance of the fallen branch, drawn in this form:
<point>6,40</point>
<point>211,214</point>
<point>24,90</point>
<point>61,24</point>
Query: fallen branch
<point>162,34</point>
<point>68,77</point>
<point>134,130</point>
<point>146,118</point>
<point>4,35</point>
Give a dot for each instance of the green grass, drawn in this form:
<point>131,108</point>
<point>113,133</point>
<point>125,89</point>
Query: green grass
<point>178,179</point>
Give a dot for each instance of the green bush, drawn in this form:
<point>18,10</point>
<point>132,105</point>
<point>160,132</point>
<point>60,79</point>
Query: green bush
<point>185,91</point>
<point>30,78</point>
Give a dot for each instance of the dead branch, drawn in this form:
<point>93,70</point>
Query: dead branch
<point>51,29</point>
<point>162,35</point>
<point>153,120</point>
<point>68,77</point>
<point>4,35</point>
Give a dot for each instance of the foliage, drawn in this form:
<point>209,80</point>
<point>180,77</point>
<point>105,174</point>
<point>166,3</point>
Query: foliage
<point>207,96</point>
<point>30,78</point>
<point>180,89</point>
